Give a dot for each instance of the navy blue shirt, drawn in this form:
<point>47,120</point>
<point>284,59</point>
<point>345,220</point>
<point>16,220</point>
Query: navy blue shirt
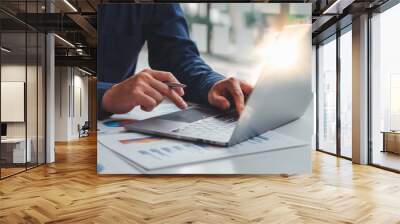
<point>122,32</point>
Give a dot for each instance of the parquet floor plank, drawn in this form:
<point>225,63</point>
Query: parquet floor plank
<point>70,191</point>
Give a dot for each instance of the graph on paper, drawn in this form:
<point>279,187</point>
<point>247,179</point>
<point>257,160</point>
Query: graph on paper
<point>151,152</point>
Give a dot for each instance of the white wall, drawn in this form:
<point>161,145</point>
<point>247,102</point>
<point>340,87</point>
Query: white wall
<point>70,83</point>
<point>61,104</point>
<point>16,72</point>
<point>80,100</point>
<point>33,126</point>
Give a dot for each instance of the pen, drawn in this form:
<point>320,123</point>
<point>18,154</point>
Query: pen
<point>175,84</point>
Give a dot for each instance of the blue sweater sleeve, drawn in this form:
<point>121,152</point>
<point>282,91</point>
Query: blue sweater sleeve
<point>122,31</point>
<point>171,49</point>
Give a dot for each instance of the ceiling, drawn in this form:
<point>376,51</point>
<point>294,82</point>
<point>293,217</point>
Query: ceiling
<point>75,21</point>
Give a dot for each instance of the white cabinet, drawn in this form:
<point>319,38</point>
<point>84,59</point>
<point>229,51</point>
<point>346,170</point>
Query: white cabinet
<point>15,148</point>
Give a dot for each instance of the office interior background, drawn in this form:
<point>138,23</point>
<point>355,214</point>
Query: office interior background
<point>48,73</point>
<point>47,92</point>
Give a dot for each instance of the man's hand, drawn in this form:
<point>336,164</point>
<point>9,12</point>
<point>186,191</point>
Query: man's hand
<point>228,89</point>
<point>145,89</point>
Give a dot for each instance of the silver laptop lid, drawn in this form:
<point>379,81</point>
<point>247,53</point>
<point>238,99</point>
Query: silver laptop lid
<point>283,90</point>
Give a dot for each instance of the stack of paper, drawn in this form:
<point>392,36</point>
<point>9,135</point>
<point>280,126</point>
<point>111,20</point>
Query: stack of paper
<point>149,152</point>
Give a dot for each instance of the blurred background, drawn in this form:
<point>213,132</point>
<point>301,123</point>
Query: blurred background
<point>231,38</point>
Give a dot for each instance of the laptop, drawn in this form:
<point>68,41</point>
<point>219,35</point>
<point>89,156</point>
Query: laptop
<point>281,95</point>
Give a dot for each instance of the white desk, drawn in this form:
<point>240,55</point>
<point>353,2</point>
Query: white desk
<point>291,161</point>
<point>19,155</point>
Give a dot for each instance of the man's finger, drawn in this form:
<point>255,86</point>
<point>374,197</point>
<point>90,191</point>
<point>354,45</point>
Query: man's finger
<point>179,102</point>
<point>165,77</point>
<point>157,96</point>
<point>246,88</point>
<point>146,102</point>
<point>237,95</point>
<point>220,102</point>
<point>168,92</point>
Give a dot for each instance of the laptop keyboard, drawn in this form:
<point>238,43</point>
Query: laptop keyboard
<point>219,127</point>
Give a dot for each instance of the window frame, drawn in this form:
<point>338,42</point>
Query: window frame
<point>25,30</point>
<point>334,37</point>
<point>380,9</point>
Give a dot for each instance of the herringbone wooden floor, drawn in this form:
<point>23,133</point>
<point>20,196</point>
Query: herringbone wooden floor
<point>70,191</point>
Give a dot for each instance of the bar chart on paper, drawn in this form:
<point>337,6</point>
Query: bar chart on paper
<point>117,122</point>
<point>150,152</point>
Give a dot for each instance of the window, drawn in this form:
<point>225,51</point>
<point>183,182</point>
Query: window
<point>333,77</point>
<point>385,89</point>
<point>346,93</point>
<point>327,96</point>
<point>23,77</point>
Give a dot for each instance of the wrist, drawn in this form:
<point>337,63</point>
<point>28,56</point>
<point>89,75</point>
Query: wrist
<point>211,85</point>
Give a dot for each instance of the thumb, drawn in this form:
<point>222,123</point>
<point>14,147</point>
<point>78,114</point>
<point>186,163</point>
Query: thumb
<point>220,102</point>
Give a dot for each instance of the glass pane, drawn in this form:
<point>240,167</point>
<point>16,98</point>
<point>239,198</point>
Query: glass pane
<point>32,87</point>
<point>346,94</point>
<point>13,85</point>
<point>41,99</point>
<point>31,97</point>
<point>23,79</point>
<point>327,97</point>
<point>386,89</point>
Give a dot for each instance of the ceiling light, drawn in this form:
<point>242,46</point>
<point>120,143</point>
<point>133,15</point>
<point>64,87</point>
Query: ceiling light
<point>84,71</point>
<point>65,41</point>
<point>331,7</point>
<point>337,7</point>
<point>79,51</point>
<point>70,5</point>
<point>5,50</point>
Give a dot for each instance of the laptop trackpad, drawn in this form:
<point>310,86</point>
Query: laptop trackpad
<point>190,115</point>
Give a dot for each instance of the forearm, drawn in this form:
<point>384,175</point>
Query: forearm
<point>191,70</point>
<point>200,82</point>
<point>171,49</point>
